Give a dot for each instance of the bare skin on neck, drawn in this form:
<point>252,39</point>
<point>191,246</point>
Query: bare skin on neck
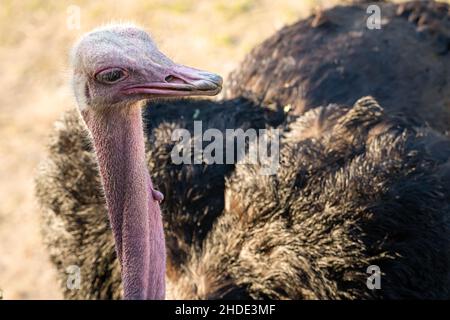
<point>133,211</point>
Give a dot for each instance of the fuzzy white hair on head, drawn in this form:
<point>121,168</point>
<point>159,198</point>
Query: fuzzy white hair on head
<point>78,83</point>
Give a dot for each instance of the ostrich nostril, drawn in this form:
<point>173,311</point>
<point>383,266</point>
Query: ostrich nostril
<point>173,79</point>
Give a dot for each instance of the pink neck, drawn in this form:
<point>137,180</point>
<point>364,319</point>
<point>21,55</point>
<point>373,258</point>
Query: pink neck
<point>134,215</point>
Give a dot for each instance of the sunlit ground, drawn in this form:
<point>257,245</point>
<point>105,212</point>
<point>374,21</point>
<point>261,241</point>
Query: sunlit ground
<point>34,44</point>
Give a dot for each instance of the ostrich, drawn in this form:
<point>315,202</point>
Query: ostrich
<point>196,214</point>
<point>114,70</point>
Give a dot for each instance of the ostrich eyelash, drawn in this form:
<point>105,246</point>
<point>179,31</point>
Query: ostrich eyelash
<point>111,75</point>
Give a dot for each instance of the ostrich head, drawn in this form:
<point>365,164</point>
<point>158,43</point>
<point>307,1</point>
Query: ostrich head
<point>114,70</point>
<point>121,64</point>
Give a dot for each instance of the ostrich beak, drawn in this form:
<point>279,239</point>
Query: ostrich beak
<point>178,81</point>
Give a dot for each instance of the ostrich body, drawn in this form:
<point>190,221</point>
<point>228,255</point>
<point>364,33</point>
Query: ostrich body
<point>308,244</point>
<point>356,187</point>
<point>114,69</point>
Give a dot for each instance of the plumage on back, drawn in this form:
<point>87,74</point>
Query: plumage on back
<point>365,190</point>
<point>405,65</point>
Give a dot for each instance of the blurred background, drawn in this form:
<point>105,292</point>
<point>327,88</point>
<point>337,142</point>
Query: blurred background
<point>35,38</point>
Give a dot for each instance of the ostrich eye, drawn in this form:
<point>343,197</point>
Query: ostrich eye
<point>110,76</point>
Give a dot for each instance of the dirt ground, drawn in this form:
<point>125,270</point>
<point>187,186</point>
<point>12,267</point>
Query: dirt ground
<point>35,38</point>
